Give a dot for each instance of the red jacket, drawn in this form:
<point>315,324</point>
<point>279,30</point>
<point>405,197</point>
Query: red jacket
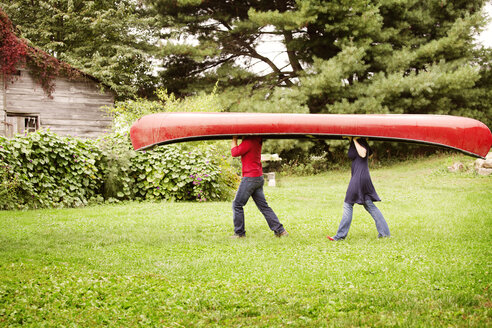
<point>250,152</point>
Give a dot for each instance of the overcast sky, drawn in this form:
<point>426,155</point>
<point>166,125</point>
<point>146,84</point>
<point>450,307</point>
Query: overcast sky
<point>486,36</point>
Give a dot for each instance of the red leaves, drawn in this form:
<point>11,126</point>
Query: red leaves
<point>15,53</point>
<point>13,50</point>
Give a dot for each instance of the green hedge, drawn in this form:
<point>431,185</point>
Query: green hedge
<point>43,169</point>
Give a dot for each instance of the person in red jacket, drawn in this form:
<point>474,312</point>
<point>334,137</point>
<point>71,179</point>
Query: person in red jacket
<point>252,186</point>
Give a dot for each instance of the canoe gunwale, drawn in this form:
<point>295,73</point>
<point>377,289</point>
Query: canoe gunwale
<point>304,136</point>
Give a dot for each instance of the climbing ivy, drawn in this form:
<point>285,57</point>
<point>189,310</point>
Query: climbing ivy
<point>16,53</point>
<point>42,169</point>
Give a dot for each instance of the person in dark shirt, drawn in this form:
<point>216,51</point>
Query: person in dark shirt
<point>252,186</point>
<point>360,190</point>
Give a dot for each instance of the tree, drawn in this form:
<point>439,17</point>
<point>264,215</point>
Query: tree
<point>111,40</point>
<point>16,53</point>
<point>350,56</point>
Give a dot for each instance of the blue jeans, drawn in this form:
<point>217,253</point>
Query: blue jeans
<point>253,187</point>
<point>376,214</point>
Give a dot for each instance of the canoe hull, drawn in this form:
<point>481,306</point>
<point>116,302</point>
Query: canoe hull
<point>463,134</point>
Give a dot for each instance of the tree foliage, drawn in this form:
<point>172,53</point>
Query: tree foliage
<point>126,112</point>
<point>111,40</point>
<point>15,53</point>
<point>351,56</point>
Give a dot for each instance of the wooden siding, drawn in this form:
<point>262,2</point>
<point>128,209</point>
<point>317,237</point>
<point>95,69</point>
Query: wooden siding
<point>74,108</point>
<point>3,121</point>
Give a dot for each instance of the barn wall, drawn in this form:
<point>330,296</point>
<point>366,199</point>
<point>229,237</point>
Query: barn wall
<point>2,106</point>
<point>74,109</point>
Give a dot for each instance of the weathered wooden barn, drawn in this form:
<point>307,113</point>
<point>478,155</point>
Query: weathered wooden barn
<point>74,108</point>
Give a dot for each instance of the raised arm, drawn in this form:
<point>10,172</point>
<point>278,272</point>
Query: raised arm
<point>360,150</point>
<point>241,149</point>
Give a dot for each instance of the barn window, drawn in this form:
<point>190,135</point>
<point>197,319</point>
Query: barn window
<point>21,123</point>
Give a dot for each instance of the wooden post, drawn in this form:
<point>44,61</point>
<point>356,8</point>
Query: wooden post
<point>271,179</point>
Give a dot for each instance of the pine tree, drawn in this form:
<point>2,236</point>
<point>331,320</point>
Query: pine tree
<point>345,56</point>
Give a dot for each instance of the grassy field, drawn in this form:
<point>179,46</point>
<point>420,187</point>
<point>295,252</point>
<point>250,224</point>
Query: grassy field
<point>174,265</point>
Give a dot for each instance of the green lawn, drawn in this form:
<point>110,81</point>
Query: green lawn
<point>174,265</point>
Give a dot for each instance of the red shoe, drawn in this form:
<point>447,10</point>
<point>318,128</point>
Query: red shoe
<point>330,238</point>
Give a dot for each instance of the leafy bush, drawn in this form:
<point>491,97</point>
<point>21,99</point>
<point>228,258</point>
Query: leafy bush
<point>173,172</point>
<point>189,171</point>
<point>42,169</point>
<point>9,188</point>
<point>115,163</point>
<point>45,170</point>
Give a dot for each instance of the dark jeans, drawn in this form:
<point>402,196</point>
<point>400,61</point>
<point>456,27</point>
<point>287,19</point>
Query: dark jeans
<point>253,187</point>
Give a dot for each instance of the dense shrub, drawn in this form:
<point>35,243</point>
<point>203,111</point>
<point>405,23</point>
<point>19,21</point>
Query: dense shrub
<point>46,170</point>
<point>42,169</point>
<point>115,163</point>
<point>175,173</point>
<point>185,171</point>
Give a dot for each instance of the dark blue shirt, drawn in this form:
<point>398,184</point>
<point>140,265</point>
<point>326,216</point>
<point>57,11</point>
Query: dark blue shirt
<point>360,187</point>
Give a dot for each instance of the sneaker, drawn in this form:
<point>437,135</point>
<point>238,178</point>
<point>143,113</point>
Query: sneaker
<point>236,236</point>
<point>282,234</point>
<point>330,238</point>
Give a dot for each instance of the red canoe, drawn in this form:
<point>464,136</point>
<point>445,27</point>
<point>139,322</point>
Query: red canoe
<point>467,135</point>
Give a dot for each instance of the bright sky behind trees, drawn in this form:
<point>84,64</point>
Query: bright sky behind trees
<point>486,36</point>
